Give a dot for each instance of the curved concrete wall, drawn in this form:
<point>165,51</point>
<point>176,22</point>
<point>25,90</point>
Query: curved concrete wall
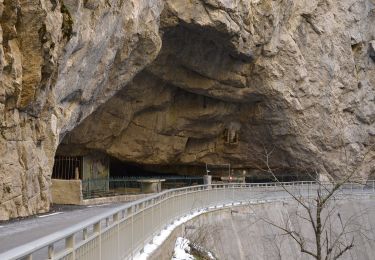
<point>238,233</point>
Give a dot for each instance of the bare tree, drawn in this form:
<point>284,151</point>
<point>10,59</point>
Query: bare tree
<point>198,234</point>
<point>333,235</point>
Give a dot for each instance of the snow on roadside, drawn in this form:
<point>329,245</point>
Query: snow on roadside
<point>182,250</point>
<point>185,250</point>
<point>164,234</point>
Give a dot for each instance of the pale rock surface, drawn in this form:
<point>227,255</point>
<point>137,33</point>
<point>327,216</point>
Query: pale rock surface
<point>59,60</point>
<point>159,82</point>
<point>303,83</point>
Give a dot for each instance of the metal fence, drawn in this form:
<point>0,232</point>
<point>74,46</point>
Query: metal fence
<point>67,167</point>
<point>92,188</point>
<point>122,232</point>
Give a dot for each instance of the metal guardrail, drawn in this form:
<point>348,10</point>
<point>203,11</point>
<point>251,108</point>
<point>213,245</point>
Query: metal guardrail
<point>122,232</point>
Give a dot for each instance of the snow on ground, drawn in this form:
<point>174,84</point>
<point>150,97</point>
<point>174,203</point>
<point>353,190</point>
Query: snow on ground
<point>182,250</point>
<point>164,234</point>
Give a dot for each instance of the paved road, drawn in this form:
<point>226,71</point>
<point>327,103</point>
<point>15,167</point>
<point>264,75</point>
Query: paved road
<point>18,232</point>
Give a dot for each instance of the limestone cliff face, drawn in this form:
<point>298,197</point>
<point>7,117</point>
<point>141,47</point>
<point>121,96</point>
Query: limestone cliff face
<point>59,60</point>
<point>162,82</point>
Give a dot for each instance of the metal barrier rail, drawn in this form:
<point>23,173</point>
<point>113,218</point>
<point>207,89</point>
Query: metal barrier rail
<point>122,232</point>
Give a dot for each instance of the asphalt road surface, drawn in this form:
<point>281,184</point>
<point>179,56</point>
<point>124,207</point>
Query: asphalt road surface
<point>20,231</point>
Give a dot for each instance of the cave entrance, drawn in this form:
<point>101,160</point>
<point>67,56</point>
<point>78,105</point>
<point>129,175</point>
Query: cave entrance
<point>96,174</point>
<point>86,167</point>
<point>77,176</point>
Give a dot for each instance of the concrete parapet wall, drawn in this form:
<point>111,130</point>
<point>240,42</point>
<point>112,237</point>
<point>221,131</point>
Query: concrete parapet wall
<point>66,192</point>
<point>69,192</point>
<point>238,232</point>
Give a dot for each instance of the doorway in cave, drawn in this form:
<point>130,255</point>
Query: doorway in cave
<point>67,167</point>
<point>74,176</point>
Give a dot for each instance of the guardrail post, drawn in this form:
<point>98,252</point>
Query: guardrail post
<point>116,220</point>
<point>160,202</point>
<point>84,234</point>
<point>152,216</point>
<point>208,196</point>
<point>216,191</point>
<point>70,243</point>
<point>232,193</point>
<point>143,224</point>
<point>98,231</point>
<point>180,209</point>
<point>175,203</point>
<point>132,233</point>
<point>173,208</point>
<point>308,190</point>
<point>225,194</point>
<point>186,199</point>
<point>51,251</point>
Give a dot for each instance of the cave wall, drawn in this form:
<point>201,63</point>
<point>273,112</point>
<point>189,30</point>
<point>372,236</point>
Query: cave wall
<point>278,73</point>
<point>161,81</point>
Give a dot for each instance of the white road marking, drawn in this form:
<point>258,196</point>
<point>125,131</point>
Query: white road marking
<point>99,205</point>
<point>48,215</point>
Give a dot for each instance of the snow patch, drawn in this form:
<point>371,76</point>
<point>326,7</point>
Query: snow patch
<point>164,234</point>
<point>158,240</point>
<point>182,250</point>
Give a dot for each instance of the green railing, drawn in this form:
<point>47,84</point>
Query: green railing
<point>92,188</point>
